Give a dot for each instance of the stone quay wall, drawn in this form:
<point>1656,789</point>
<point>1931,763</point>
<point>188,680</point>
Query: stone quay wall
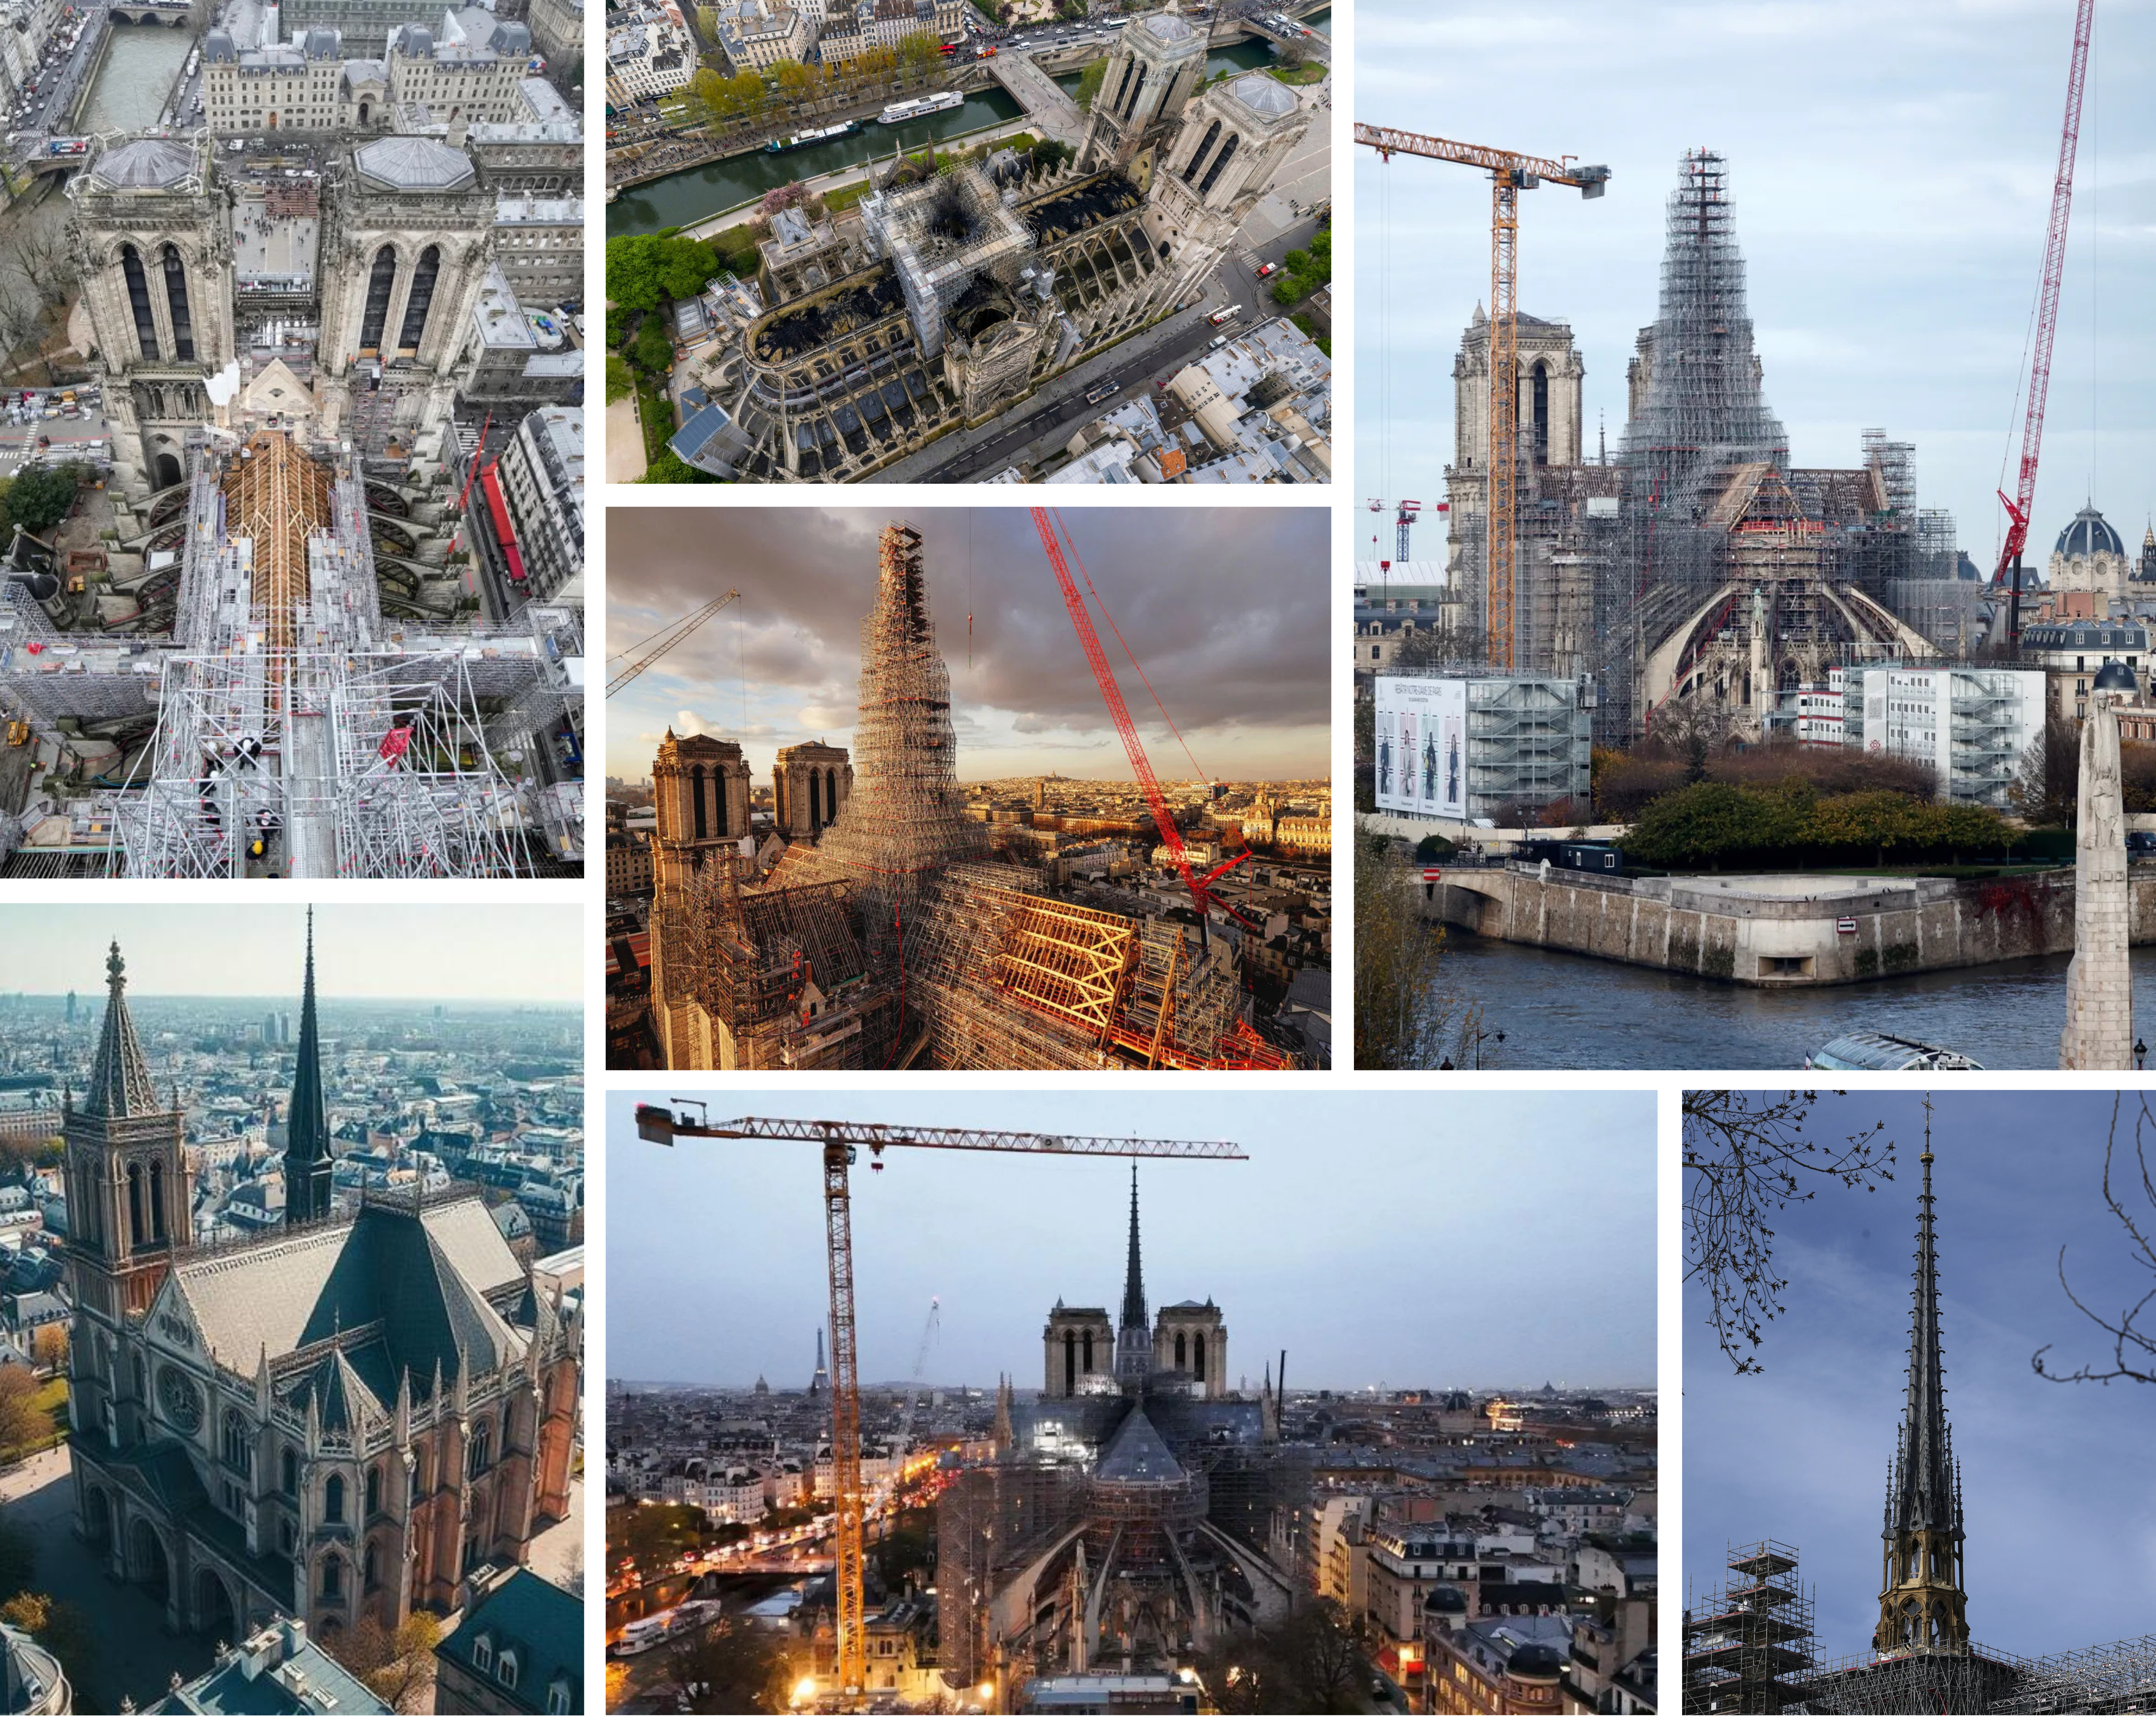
<point>1786,932</point>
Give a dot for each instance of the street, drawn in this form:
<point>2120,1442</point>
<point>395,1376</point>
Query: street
<point>18,443</point>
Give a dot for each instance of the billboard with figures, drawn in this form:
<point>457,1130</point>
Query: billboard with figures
<point>1422,746</point>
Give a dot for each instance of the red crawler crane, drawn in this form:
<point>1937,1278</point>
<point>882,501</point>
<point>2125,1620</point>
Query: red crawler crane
<point>2047,325</point>
<point>1141,768</point>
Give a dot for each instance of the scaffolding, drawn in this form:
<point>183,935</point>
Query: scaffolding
<point>1750,1648</point>
<point>904,818</point>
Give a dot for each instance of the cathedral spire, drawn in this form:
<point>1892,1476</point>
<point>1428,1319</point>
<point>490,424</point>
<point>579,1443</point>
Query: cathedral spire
<point>1134,1334</point>
<point>1922,1604</point>
<point>307,1158</point>
<point>121,1087</point>
<point>1134,1299</point>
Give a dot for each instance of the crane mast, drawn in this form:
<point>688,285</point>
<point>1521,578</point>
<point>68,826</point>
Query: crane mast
<point>669,639</point>
<point>1511,173</point>
<point>840,1140</point>
<point>2048,326</point>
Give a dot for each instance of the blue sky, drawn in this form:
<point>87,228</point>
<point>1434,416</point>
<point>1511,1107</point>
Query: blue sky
<point>1228,611</point>
<point>1891,170</point>
<point>1402,1237</point>
<point>465,951</point>
<point>2059,1496</point>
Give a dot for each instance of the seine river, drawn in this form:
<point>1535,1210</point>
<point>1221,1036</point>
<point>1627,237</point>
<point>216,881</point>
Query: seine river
<point>732,181</point>
<point>1560,1009</point>
<point>141,62</point>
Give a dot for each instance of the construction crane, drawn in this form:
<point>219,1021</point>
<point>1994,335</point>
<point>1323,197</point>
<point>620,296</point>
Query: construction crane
<point>1141,768</point>
<point>1409,512</point>
<point>842,1140</point>
<point>669,639</point>
<point>2048,326</point>
<point>1510,175</point>
<point>901,1443</point>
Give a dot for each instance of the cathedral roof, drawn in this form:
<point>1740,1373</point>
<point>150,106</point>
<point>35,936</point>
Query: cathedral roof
<point>119,1086</point>
<point>1262,93</point>
<point>147,163</point>
<point>424,1276</point>
<point>2089,532</point>
<point>1166,27</point>
<point>406,164</point>
<point>1138,1456</point>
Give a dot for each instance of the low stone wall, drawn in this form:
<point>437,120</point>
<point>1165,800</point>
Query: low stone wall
<point>1717,928</point>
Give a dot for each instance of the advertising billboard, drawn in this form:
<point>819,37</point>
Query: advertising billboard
<point>1422,746</point>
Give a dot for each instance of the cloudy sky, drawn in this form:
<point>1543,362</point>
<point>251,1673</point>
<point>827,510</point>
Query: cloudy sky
<point>467,952</point>
<point>1227,610</point>
<point>1891,168</point>
<point>2056,1485</point>
<point>1497,1240</point>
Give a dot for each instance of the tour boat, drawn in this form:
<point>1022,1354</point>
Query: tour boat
<point>913,107</point>
<point>1875,1051</point>
<point>802,140</point>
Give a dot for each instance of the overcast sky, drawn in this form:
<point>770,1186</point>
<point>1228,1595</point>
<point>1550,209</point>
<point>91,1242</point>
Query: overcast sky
<point>466,952</point>
<point>2058,1494</point>
<point>1227,610</point>
<point>1891,167</point>
<point>1477,1240</point>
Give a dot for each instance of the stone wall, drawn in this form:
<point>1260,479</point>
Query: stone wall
<point>1779,941</point>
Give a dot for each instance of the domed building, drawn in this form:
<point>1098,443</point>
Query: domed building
<point>2090,556</point>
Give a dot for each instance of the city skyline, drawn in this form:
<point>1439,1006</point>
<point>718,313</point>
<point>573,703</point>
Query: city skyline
<point>1232,638</point>
<point>531,953</point>
<point>1891,181</point>
<point>1800,1454</point>
<point>1054,1228</point>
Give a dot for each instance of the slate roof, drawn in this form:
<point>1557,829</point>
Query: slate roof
<point>146,164</point>
<point>408,164</point>
<point>297,1679</point>
<point>119,1086</point>
<point>1138,1456</point>
<point>541,1624</point>
<point>1261,92</point>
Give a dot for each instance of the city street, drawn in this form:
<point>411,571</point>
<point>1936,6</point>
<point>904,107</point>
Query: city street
<point>18,443</point>
<point>137,1656</point>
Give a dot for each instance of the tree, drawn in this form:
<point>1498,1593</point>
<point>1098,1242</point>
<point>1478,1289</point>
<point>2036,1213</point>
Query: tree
<point>1089,85</point>
<point>1049,154</point>
<point>25,1425</point>
<point>730,1668</point>
<point>2132,1336</point>
<point>1309,1663</point>
<point>2047,788</point>
<point>668,468</point>
<point>652,349</point>
<point>620,381</point>
<point>40,497</point>
<point>652,1536</point>
<point>397,1665</point>
<point>1403,1017</point>
<point>643,269</point>
<point>1743,1157</point>
<point>48,1348</point>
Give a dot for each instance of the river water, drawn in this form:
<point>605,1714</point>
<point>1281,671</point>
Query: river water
<point>141,62</point>
<point>732,181</point>
<point>1562,1009</point>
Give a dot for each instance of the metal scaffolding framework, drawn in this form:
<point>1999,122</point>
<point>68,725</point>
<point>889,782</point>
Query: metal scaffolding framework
<point>1750,1648</point>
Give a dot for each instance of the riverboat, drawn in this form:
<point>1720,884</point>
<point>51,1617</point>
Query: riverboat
<point>914,107</point>
<point>802,140</point>
<point>1875,1051</point>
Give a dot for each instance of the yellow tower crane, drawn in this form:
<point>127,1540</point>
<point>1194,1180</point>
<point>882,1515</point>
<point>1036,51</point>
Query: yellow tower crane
<point>842,1140</point>
<point>1510,175</point>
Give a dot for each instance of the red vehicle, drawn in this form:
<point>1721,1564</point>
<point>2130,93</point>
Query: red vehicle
<point>1266,269</point>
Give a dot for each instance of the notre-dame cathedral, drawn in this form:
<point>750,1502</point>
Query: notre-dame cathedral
<point>344,1418</point>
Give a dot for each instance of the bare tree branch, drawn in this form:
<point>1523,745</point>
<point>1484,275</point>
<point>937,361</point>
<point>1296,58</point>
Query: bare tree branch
<point>1744,1156</point>
<point>2131,1339</point>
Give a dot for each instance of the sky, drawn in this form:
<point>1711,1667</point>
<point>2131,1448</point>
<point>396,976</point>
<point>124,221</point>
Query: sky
<point>1227,610</point>
<point>1891,167</point>
<point>1487,1241</point>
<point>2059,1500</point>
<point>530,953</point>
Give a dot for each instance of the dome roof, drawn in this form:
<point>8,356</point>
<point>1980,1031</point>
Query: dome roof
<point>1166,27</point>
<point>2114,676</point>
<point>1535,1660</point>
<point>1263,94</point>
<point>2089,532</point>
<point>409,164</point>
<point>147,163</point>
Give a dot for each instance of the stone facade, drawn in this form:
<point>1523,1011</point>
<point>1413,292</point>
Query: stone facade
<point>701,789</point>
<point>1079,1342</point>
<point>2089,557</point>
<point>812,781</point>
<point>2099,1032</point>
<point>1192,1339</point>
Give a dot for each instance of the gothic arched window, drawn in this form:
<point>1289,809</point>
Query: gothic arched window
<point>1180,1353</point>
<point>138,300</point>
<point>236,1446</point>
<point>333,1499</point>
<point>479,1454</point>
<point>1070,1361</point>
<point>1226,155</point>
<point>696,800</point>
<point>1538,410</point>
<point>1204,144</point>
<point>137,1208</point>
<point>176,303</point>
<point>158,1201</point>
<point>1136,90</point>
<point>374,1491</point>
<point>380,279</point>
<point>1087,1340</point>
<point>333,1576</point>
<point>422,295</point>
<point>288,1474</point>
<point>1129,67</point>
<point>1197,1357</point>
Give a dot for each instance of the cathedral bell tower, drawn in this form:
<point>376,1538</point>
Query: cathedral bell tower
<point>1921,1605</point>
